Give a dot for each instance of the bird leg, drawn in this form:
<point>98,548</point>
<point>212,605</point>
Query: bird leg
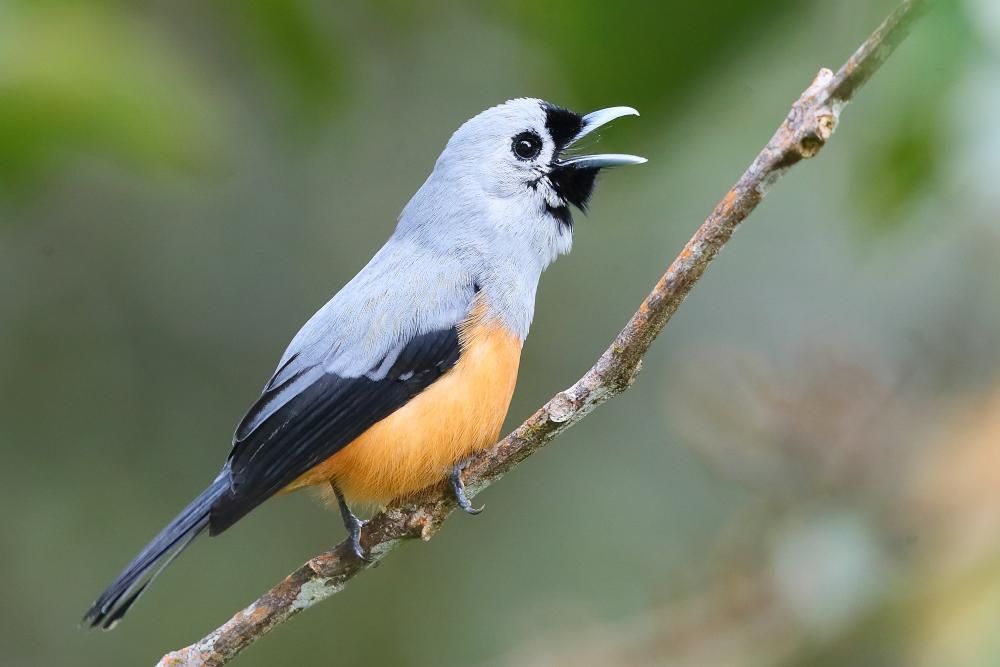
<point>458,490</point>
<point>352,523</point>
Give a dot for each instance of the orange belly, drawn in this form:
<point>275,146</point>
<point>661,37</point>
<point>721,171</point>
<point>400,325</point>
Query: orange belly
<point>418,445</point>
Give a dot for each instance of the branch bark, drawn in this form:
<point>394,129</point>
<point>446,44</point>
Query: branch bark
<point>806,129</point>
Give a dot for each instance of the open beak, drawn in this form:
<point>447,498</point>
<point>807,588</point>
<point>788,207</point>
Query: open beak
<point>591,122</point>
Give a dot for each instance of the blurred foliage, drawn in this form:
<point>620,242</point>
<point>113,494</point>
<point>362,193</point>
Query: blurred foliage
<point>97,78</point>
<point>86,78</point>
<point>882,549</point>
<point>289,38</point>
<point>607,55</point>
<point>904,161</point>
<point>900,167</point>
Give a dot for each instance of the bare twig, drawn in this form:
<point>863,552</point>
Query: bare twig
<point>804,132</point>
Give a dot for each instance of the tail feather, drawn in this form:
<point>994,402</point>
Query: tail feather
<point>157,555</point>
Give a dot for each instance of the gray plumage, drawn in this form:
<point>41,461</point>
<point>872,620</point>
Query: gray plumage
<point>474,222</point>
<point>492,215</point>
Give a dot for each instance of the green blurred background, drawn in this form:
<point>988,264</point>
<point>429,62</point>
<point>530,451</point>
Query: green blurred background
<point>806,473</point>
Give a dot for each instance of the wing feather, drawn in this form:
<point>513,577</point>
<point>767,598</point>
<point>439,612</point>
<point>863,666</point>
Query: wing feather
<point>309,414</point>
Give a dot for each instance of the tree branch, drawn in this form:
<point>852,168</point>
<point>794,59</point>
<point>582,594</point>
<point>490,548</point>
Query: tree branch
<point>808,126</point>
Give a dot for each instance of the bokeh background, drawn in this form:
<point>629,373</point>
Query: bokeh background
<point>806,473</point>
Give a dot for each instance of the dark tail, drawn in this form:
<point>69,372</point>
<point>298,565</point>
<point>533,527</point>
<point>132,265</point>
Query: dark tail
<point>144,568</point>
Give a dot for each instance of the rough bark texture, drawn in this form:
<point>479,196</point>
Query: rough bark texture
<point>808,126</point>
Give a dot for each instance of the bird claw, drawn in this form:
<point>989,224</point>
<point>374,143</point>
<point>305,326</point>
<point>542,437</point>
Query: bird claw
<point>355,530</point>
<point>458,490</point>
<point>353,525</point>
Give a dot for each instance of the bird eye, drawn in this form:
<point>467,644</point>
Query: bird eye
<point>526,146</point>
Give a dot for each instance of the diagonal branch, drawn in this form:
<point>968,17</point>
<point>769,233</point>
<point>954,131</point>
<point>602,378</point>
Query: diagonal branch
<point>808,126</point>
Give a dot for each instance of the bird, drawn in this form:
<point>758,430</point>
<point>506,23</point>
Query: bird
<point>408,370</point>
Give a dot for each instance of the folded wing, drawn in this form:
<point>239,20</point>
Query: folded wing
<point>307,414</point>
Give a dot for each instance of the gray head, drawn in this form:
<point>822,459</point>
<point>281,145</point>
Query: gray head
<point>494,212</point>
<point>505,183</point>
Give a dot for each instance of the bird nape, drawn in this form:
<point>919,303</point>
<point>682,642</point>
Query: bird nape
<point>409,369</point>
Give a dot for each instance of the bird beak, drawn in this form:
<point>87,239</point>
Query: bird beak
<point>591,122</point>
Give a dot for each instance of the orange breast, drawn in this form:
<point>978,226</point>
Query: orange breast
<point>418,445</point>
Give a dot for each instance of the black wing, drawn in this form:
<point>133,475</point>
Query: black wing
<point>304,418</point>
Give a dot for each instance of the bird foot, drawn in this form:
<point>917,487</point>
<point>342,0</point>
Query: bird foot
<point>458,490</point>
<point>353,525</point>
<point>355,530</point>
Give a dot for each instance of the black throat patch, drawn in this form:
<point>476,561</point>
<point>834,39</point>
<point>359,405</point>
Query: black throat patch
<point>573,185</point>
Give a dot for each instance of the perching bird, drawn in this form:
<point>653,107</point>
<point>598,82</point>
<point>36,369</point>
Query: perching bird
<point>409,369</point>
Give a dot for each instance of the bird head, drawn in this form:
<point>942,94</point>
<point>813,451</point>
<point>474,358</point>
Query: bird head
<point>511,174</point>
